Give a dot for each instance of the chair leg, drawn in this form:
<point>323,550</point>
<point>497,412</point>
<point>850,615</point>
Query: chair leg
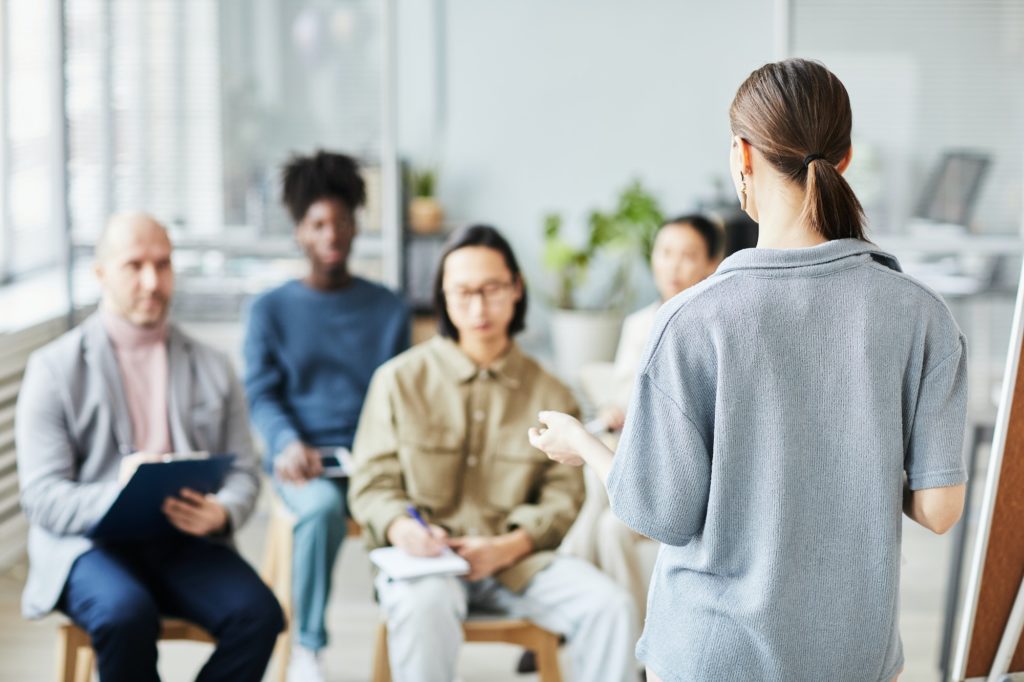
<point>74,654</point>
<point>283,653</point>
<point>85,661</point>
<point>277,574</point>
<point>547,658</point>
<point>381,665</point>
<point>283,588</point>
<point>67,647</point>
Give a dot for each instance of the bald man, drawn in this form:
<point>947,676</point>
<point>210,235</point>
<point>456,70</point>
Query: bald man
<point>121,389</point>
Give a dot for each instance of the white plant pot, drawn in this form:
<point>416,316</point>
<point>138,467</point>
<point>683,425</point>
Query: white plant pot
<point>580,337</point>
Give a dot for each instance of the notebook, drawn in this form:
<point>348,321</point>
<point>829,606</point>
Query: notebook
<point>397,565</point>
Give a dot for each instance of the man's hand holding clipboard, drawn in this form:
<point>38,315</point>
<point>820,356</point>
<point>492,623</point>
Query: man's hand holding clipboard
<point>164,493</point>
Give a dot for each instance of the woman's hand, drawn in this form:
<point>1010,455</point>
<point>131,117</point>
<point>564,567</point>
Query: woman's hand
<point>613,416</point>
<point>560,437</point>
<point>565,440</point>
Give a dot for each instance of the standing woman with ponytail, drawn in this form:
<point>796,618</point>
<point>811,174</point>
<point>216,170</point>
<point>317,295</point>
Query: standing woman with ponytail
<point>789,409</point>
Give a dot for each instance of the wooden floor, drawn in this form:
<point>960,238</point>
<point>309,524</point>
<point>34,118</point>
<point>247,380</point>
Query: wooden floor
<point>27,648</point>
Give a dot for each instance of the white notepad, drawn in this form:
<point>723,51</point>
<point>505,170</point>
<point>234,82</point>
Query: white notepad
<point>398,565</point>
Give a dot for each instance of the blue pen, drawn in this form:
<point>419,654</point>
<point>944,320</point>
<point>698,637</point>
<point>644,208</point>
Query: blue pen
<point>415,514</point>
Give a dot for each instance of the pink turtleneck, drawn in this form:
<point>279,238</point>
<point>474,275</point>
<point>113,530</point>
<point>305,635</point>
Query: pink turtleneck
<point>142,358</point>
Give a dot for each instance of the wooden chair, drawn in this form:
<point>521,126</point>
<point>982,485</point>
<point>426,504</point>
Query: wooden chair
<point>76,658</point>
<point>277,574</point>
<point>479,628</point>
<point>485,629</point>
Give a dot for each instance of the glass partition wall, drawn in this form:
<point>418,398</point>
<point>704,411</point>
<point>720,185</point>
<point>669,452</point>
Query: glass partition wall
<point>188,108</point>
<point>926,79</point>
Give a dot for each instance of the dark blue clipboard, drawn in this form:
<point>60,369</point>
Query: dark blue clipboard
<point>136,513</point>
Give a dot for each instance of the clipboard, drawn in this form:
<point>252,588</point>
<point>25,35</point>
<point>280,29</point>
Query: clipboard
<point>136,513</point>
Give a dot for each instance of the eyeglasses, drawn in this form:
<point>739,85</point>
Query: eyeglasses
<point>492,293</point>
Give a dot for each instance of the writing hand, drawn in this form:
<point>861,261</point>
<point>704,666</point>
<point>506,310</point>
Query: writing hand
<point>412,538</point>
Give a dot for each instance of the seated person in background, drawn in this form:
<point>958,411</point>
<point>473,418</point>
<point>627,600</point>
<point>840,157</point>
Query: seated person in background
<point>686,250</point>
<point>310,349</point>
<point>109,395</point>
<point>443,430</point>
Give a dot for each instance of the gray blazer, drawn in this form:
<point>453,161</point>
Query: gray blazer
<point>73,426</point>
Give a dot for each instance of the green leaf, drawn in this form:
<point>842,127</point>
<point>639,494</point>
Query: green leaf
<point>552,225</point>
<point>422,183</point>
<point>558,254</point>
<point>630,227</point>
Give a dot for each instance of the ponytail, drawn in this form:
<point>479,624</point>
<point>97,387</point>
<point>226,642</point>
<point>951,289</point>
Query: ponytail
<point>830,206</point>
<point>797,114</point>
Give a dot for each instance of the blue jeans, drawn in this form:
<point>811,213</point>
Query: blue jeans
<point>319,531</point>
<point>118,593</point>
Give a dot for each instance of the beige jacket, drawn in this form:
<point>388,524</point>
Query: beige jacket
<point>440,433</point>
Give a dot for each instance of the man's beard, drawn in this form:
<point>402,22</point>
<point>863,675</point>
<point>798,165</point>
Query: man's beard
<point>151,316</point>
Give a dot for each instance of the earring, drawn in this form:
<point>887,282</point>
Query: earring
<point>743,192</point>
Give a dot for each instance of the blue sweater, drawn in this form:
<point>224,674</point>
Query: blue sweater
<point>309,356</point>
<point>780,404</point>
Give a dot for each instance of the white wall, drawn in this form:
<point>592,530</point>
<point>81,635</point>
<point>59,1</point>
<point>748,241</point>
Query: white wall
<point>557,105</point>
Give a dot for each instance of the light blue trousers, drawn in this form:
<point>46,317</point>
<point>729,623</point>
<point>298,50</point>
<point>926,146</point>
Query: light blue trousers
<point>320,508</point>
<point>570,597</point>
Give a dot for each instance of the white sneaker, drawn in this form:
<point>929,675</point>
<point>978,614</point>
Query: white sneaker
<point>305,665</point>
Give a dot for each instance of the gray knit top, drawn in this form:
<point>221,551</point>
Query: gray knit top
<point>778,406</point>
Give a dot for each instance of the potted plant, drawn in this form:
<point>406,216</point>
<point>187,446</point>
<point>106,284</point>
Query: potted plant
<point>425,213</point>
<point>587,314</point>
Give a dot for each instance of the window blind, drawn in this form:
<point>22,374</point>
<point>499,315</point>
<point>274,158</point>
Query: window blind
<point>143,113</point>
<point>31,231</point>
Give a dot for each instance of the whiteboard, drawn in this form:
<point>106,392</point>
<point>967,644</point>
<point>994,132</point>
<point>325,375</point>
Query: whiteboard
<point>997,557</point>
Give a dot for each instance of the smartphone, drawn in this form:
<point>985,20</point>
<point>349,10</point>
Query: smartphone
<point>337,462</point>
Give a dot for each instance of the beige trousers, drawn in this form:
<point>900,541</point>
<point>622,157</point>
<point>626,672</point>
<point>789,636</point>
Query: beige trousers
<point>600,538</point>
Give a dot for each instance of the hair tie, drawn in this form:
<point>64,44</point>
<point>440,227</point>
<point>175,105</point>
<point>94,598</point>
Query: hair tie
<point>812,157</point>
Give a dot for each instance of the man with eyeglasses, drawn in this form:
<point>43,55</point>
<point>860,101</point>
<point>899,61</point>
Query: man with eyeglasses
<point>444,431</point>
<point>310,349</point>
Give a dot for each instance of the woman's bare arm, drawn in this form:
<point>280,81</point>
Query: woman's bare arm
<point>937,509</point>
